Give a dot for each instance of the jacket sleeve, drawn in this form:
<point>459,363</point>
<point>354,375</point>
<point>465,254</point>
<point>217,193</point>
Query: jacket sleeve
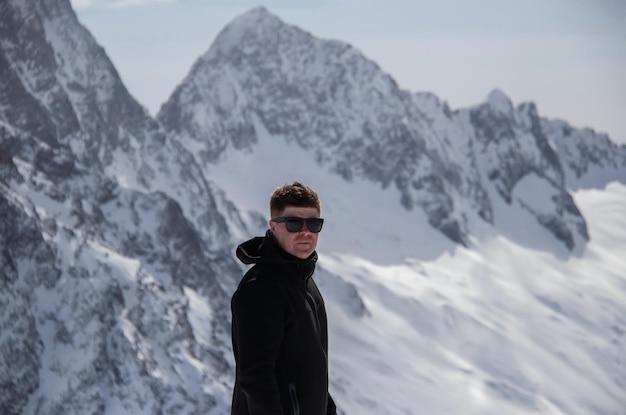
<point>258,325</point>
<point>331,408</point>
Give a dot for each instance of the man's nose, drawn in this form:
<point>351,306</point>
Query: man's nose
<point>305,228</point>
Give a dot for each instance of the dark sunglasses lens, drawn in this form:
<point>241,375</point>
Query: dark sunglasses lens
<point>314,225</point>
<point>294,224</point>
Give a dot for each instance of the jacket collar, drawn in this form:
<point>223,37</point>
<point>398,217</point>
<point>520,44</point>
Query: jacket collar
<point>264,250</point>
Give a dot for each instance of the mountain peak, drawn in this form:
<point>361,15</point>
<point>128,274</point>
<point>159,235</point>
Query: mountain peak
<point>254,16</point>
<point>499,102</point>
<point>253,24</point>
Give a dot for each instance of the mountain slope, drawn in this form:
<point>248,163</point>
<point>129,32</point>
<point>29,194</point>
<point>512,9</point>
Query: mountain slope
<point>500,328</point>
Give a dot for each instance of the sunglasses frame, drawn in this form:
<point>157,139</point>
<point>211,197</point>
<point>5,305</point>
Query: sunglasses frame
<point>290,220</point>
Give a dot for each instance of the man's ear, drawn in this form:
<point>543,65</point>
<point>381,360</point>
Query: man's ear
<point>271,224</point>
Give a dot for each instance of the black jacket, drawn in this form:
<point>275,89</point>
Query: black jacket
<point>279,335</point>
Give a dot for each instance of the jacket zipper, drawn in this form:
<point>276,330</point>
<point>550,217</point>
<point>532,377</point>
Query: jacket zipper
<point>294,399</point>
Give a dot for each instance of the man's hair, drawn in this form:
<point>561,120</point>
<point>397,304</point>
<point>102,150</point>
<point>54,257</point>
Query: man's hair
<point>293,194</point>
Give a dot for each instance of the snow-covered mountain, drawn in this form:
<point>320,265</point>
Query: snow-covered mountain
<point>470,258</point>
<point>326,97</point>
<point>109,233</point>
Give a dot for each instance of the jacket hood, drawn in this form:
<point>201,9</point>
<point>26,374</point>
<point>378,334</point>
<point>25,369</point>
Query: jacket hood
<point>265,250</point>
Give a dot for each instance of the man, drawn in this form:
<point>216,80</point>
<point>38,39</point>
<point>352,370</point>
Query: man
<point>279,328</point>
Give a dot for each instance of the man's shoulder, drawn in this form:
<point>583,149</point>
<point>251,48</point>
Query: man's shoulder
<point>257,287</point>
<point>260,273</point>
<point>260,278</point>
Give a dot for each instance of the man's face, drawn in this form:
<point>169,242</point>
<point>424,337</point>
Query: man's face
<point>299,244</point>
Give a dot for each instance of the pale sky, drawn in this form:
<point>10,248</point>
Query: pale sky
<point>567,56</point>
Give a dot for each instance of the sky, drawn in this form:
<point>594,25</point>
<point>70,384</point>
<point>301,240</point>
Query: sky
<point>567,56</point>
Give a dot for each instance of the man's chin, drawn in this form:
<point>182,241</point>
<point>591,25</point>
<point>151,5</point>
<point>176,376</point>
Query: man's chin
<point>303,253</point>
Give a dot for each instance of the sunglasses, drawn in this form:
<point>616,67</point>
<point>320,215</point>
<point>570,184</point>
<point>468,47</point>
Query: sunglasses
<point>294,224</point>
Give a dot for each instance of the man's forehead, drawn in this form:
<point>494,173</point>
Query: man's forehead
<point>300,211</point>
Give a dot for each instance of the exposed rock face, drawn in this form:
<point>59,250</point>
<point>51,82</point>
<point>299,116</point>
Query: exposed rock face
<point>26,262</point>
<point>512,146</point>
<point>589,159</point>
